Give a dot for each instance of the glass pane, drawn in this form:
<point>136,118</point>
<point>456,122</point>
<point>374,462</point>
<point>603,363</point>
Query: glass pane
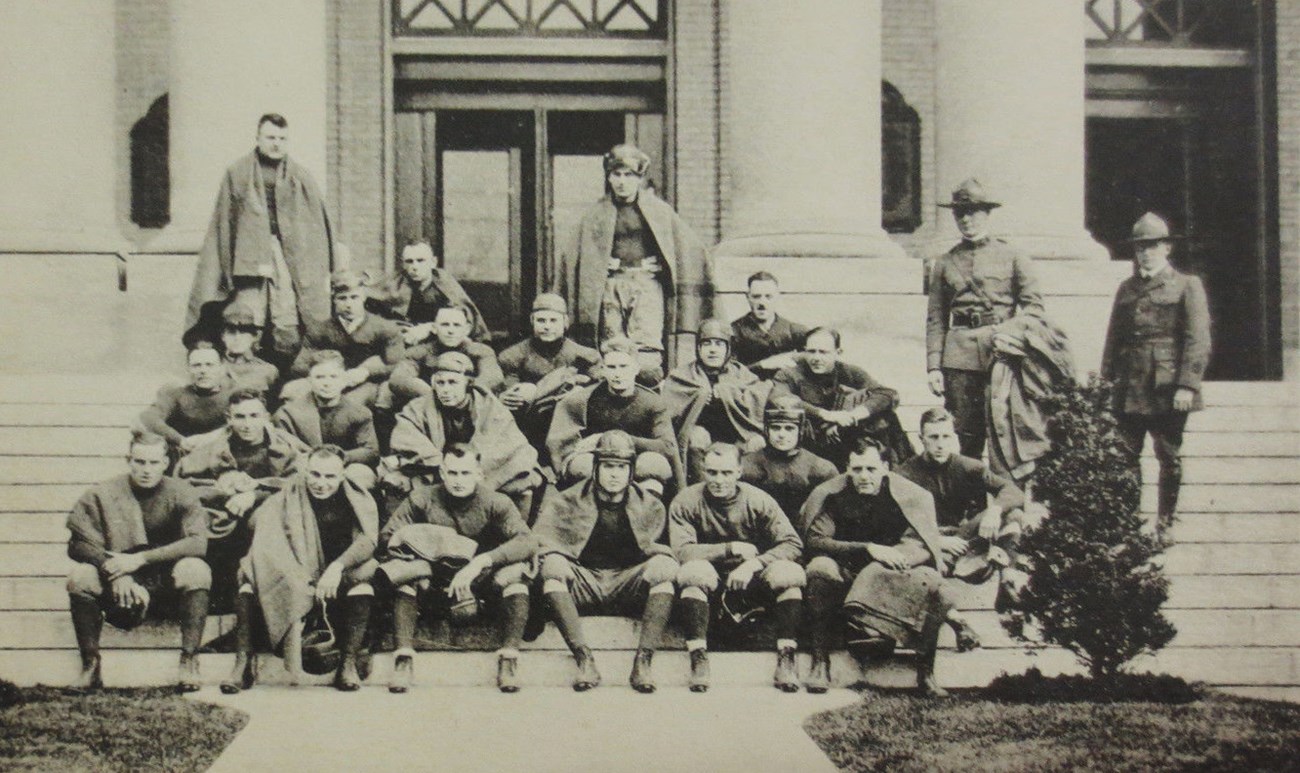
<point>577,183</point>
<point>476,214</point>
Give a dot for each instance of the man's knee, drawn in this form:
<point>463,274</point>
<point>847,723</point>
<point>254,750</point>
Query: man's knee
<point>660,569</point>
<point>363,574</point>
<point>83,580</point>
<point>697,574</point>
<point>698,437</point>
<point>511,574</point>
<point>824,568</point>
<point>191,573</point>
<point>580,466</point>
<point>361,475</point>
<point>651,465</point>
<point>556,567</point>
<point>784,575</point>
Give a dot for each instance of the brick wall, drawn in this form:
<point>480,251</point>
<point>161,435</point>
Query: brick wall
<point>1288,128</point>
<point>907,61</point>
<point>143,73</point>
<point>356,141</point>
<point>695,90</point>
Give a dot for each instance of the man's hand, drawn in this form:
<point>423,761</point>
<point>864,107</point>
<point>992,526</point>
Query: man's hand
<point>122,564</point>
<point>327,587</point>
<point>935,377</point>
<point>991,523</point>
<point>743,575</point>
<point>355,377</point>
<point>1007,345</point>
<point>775,362</point>
<point>1183,399</point>
<point>241,503</point>
<point>129,593</point>
<point>459,588</point>
<point>951,546</point>
<point>234,482</point>
<point>519,395</point>
<point>887,556</point>
<point>745,551</point>
<point>414,334</point>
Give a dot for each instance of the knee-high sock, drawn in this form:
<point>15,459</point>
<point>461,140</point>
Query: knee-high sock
<point>654,619</point>
<point>194,614</point>
<point>820,595</point>
<point>695,615</point>
<point>785,618</point>
<point>567,620</point>
<point>88,623</point>
<point>245,603</point>
<point>356,617</point>
<point>514,616</point>
<point>406,614</point>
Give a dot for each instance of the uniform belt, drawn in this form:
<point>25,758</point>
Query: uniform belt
<point>975,318</point>
<point>650,265</point>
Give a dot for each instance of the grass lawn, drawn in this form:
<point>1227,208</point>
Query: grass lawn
<point>126,730</point>
<point>899,732</point>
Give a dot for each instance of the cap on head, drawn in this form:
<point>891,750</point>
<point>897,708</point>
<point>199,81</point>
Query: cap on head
<point>714,329</point>
<point>783,407</point>
<point>1150,228</point>
<point>238,315</point>
<point>627,156</point>
<point>970,194</point>
<point>344,281</point>
<point>550,302</point>
<point>453,362</point>
<point>615,445</point>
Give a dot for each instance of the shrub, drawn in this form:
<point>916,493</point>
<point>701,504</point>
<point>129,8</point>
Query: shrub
<point>1093,586</point>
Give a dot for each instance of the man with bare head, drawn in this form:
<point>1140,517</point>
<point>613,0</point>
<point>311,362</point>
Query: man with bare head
<point>414,293</point>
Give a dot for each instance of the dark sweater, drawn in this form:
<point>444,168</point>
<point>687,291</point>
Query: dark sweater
<point>530,360</point>
<point>788,478</point>
<point>633,241</point>
<point>960,487</point>
<point>376,345</point>
<point>180,411</point>
<point>751,343</point>
<point>487,517</point>
<point>411,377</point>
<point>612,544</point>
<point>175,523</point>
<point>848,521</point>
<point>819,391</point>
<point>347,424</point>
<point>700,525</point>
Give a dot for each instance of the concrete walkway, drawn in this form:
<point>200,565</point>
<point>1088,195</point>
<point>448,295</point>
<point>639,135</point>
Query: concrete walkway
<point>611,730</point>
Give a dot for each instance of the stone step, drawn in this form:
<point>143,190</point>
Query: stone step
<point>1236,527</point>
<point>1222,470</point>
<point>1229,498</point>
<point>64,441</point>
<point>1233,558</point>
<point>71,414</point>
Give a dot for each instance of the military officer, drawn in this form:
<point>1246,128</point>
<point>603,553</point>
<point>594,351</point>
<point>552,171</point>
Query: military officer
<point>1157,347</point>
<point>976,285</point>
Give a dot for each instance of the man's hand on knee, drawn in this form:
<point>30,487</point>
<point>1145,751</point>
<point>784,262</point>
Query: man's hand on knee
<point>740,577</point>
<point>129,593</point>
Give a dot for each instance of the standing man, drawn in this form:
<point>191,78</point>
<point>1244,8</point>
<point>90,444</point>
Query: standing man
<point>783,468</point>
<point>1157,348</point>
<point>975,286</point>
<point>639,272</point>
<point>500,566</point>
<point>270,245</point>
<point>412,296</point>
<point>602,552</point>
<point>137,543</point>
<point>725,526</point>
<point>766,341</point>
<point>873,533</point>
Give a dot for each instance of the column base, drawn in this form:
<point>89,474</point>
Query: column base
<point>811,245</point>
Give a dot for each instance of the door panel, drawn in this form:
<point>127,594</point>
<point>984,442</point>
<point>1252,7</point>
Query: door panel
<point>478,213</point>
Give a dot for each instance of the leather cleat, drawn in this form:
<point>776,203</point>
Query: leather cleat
<point>189,679</point>
<point>347,679</point>
<point>819,675</point>
<point>967,639</point>
<point>403,674</point>
<point>642,678</point>
<point>699,681</point>
<point>507,674</point>
<point>786,678</point>
<point>91,676</point>
<point>927,685</point>
<point>242,676</point>
<point>588,676</point>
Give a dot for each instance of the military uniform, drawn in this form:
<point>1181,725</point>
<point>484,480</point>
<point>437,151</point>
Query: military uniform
<point>1158,342</point>
<point>973,287</point>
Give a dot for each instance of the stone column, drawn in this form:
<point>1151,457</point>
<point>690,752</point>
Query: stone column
<point>57,143</point>
<point>232,61</point>
<point>1010,89</point>
<point>801,122</point>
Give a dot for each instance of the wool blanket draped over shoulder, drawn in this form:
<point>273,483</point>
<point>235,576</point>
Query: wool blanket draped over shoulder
<point>1017,424</point>
<point>742,395</point>
<point>506,458</point>
<point>567,517</point>
<point>286,557</point>
<point>108,517</point>
<point>239,235</point>
<point>391,298</point>
<point>580,277</point>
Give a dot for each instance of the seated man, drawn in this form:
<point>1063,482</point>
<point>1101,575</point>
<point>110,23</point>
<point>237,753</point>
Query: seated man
<point>617,402</point>
<point>714,399</point>
<point>723,524</point>
<point>459,411</point>
<point>239,335</point>
<point>313,545</point>
<point>235,470</point>
<point>184,413</point>
<point>766,342</point>
<point>978,536</point>
<point>138,539</point>
<point>539,370</point>
<point>326,415</point>
<point>451,334</point>
<point>843,400</point>
<point>412,296</point>
<point>783,468</point>
<point>501,562</point>
<point>371,346</point>
<point>875,532</point>
<point>601,551</point>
